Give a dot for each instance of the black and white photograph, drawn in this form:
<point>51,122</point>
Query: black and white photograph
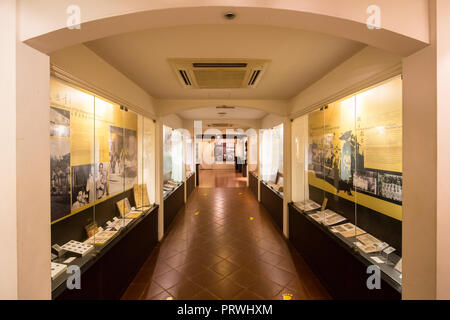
<point>59,123</point>
<point>130,156</point>
<point>116,160</point>
<point>365,181</point>
<point>390,186</point>
<point>102,180</point>
<point>59,178</point>
<point>83,185</point>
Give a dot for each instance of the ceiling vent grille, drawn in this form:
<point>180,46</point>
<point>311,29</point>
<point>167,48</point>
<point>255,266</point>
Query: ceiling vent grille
<point>219,73</point>
<point>225,107</point>
<point>220,125</point>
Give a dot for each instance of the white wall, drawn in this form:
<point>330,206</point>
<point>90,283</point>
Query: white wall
<point>33,173</point>
<point>271,120</point>
<point>25,183</point>
<point>8,227</point>
<point>172,120</point>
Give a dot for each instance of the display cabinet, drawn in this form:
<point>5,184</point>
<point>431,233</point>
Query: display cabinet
<point>347,184</point>
<point>190,167</point>
<point>271,172</point>
<point>174,173</point>
<point>102,177</point>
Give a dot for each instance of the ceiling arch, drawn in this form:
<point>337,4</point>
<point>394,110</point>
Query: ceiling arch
<point>43,24</point>
<point>174,106</point>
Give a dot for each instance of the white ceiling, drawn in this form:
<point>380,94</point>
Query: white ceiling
<point>213,113</point>
<point>298,58</point>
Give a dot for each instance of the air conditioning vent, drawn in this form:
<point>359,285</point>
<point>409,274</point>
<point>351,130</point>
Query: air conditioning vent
<point>185,77</point>
<point>219,65</point>
<point>225,107</point>
<point>254,77</point>
<point>220,125</point>
<point>219,73</point>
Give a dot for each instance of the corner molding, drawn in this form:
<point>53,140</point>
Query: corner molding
<point>67,77</point>
<point>382,76</point>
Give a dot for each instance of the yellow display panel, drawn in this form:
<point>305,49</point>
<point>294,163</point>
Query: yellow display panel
<point>100,134</point>
<point>355,148</point>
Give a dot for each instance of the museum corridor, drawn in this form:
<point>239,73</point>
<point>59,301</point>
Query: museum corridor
<point>223,245</point>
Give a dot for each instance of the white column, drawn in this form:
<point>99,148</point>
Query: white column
<point>8,212</point>
<point>25,183</point>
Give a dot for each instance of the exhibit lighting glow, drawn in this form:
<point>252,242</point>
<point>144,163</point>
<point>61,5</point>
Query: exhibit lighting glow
<point>380,129</point>
<point>61,130</point>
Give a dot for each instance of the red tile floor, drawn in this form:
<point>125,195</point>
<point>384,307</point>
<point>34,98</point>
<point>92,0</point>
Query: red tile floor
<point>223,245</point>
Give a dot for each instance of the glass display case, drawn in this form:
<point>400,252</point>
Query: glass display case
<point>189,155</point>
<point>102,174</point>
<point>271,158</point>
<point>174,163</point>
<point>347,173</point>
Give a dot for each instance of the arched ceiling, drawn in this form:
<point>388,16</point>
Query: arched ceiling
<point>297,58</point>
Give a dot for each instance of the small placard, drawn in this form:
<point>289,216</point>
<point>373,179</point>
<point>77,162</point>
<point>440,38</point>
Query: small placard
<point>377,259</point>
<point>69,260</point>
<point>389,250</point>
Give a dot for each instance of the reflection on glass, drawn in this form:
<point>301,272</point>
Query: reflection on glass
<point>102,169</point>
<point>347,173</point>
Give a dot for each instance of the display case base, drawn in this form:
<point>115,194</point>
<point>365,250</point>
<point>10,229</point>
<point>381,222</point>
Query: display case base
<point>273,203</point>
<point>253,184</point>
<point>110,273</point>
<point>342,271</point>
<point>172,204</point>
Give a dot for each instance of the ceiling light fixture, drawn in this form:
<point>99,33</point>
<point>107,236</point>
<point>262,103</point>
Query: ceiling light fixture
<point>229,15</point>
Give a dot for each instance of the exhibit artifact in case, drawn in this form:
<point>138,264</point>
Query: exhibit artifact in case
<point>347,155</point>
<point>102,176</point>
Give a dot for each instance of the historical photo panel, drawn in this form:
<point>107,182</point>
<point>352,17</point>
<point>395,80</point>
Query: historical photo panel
<point>116,160</point>
<point>83,185</point>
<point>130,156</point>
<point>60,178</point>
<point>59,123</point>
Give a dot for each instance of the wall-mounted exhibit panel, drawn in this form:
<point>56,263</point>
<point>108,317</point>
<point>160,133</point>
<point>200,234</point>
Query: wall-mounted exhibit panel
<point>102,176</point>
<point>347,176</point>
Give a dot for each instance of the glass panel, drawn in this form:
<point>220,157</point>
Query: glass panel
<point>354,172</point>
<point>177,156</point>
<point>148,162</point>
<point>252,150</point>
<point>313,193</point>
<point>299,149</point>
<point>102,156</point>
<point>189,153</point>
<point>72,155</point>
<point>378,178</point>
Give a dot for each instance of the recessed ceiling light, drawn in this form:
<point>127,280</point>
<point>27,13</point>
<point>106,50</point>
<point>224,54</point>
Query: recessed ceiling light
<point>229,15</point>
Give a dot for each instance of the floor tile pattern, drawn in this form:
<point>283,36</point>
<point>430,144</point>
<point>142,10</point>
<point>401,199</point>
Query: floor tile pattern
<point>221,253</point>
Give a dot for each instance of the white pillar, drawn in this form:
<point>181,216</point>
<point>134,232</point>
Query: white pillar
<point>426,165</point>
<point>25,183</point>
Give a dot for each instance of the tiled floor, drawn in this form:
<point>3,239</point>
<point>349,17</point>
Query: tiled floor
<point>223,245</point>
